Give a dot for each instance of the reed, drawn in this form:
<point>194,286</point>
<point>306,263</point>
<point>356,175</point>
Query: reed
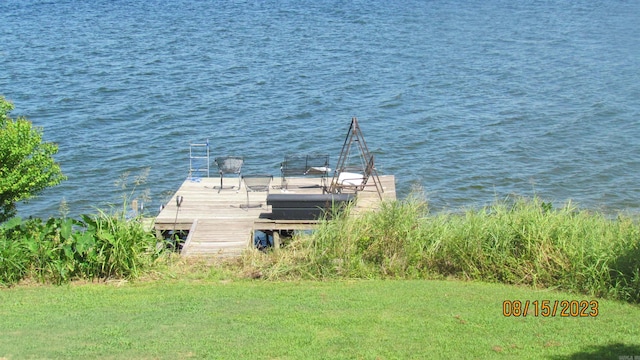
<point>515,241</point>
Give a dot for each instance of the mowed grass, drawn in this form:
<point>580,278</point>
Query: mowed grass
<point>363,319</point>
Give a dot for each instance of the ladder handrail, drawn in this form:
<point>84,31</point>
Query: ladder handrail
<point>199,156</point>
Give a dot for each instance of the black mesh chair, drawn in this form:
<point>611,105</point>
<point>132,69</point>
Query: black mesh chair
<point>256,183</point>
<point>305,165</point>
<point>229,165</point>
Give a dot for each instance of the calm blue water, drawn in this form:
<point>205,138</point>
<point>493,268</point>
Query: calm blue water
<point>472,101</point>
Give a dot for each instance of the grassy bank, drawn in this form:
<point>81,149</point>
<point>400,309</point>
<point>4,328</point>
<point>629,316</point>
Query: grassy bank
<point>519,241</point>
<point>520,250</point>
<point>208,318</point>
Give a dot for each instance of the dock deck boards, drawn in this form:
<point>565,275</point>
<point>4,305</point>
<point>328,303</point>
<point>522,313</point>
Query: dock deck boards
<point>219,226</point>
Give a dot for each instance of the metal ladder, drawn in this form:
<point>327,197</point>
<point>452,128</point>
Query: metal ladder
<point>199,153</point>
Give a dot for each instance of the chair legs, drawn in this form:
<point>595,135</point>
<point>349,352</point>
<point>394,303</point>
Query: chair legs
<point>239,183</point>
<point>248,205</point>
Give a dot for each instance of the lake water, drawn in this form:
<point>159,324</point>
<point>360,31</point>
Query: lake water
<point>472,100</point>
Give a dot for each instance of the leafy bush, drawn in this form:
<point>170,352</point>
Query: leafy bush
<point>27,165</point>
<point>14,260</point>
<point>102,246</point>
<point>118,247</point>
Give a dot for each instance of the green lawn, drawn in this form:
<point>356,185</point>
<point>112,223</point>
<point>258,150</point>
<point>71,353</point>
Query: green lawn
<point>378,319</point>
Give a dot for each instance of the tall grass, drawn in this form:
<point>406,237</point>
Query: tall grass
<point>516,241</point>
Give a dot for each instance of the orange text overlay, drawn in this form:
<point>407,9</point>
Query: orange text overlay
<point>550,308</point>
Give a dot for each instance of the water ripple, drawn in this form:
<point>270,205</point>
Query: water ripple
<point>471,102</point>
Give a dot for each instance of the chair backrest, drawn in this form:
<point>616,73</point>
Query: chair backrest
<point>229,164</point>
<point>257,182</point>
<point>298,165</point>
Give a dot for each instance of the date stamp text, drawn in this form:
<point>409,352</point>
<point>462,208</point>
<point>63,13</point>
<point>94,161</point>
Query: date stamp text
<point>550,308</point>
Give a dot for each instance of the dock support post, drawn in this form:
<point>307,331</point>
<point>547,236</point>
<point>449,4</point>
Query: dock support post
<point>276,239</point>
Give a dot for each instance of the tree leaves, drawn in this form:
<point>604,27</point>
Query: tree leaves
<point>27,165</point>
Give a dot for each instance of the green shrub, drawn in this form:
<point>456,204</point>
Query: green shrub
<point>14,260</point>
<point>101,246</point>
<point>104,245</point>
<point>117,248</point>
<point>27,165</point>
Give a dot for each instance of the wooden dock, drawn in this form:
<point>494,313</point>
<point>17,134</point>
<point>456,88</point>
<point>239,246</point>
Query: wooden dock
<point>219,223</point>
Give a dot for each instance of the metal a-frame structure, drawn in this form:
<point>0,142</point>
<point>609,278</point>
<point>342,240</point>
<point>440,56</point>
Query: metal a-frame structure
<point>366,171</point>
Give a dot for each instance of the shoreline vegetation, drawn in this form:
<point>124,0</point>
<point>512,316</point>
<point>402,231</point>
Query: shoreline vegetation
<point>398,282</point>
<point>516,241</point>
